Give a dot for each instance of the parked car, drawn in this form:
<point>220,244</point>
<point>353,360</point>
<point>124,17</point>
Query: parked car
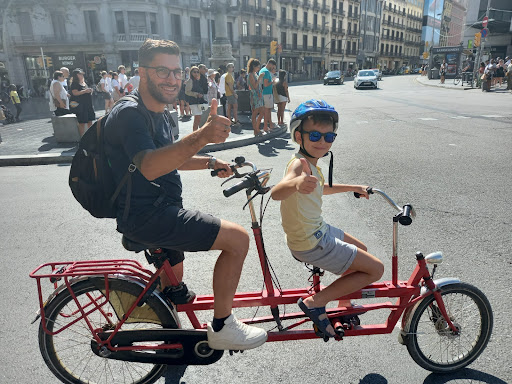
<point>378,73</point>
<point>366,78</point>
<point>416,70</point>
<point>333,77</point>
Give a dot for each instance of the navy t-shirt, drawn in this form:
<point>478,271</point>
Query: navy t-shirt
<point>127,132</point>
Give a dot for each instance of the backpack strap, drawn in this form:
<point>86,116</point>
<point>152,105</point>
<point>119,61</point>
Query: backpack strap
<point>127,179</point>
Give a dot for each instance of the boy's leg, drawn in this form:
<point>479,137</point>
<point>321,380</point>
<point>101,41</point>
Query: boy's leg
<point>366,269</point>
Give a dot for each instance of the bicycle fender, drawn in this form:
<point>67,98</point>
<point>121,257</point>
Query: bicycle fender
<point>131,279</point>
<point>406,317</point>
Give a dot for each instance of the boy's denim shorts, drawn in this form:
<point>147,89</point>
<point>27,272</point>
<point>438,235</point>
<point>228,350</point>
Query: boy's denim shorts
<point>331,253</point>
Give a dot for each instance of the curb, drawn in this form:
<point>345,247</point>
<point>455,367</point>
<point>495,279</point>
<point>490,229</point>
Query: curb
<point>67,157</point>
<point>441,86</point>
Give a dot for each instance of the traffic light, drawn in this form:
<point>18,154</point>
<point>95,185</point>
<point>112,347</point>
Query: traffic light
<point>273,47</point>
<point>476,42</point>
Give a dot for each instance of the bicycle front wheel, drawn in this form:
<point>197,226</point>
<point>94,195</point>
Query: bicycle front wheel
<point>456,81</point>
<point>69,354</point>
<point>431,342</point>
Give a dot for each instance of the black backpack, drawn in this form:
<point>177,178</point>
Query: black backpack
<point>91,179</point>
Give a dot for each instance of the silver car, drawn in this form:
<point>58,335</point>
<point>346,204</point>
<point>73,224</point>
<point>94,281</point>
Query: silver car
<point>365,78</point>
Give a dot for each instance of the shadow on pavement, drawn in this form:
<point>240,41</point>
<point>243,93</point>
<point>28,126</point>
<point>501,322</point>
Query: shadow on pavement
<point>272,147</point>
<point>51,143</point>
<point>373,378</point>
<point>464,376</point>
<point>174,373</point>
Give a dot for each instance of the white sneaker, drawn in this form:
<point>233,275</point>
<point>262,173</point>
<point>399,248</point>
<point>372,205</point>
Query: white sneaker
<point>236,335</point>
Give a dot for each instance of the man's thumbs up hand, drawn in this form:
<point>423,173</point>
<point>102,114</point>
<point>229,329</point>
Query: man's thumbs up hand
<point>217,128</point>
<point>306,183</point>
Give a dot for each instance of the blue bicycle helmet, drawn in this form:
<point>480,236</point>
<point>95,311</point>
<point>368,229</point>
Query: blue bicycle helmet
<point>310,107</point>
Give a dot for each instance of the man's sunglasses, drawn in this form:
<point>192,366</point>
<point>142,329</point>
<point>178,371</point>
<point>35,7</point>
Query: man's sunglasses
<point>164,72</point>
<point>315,136</point>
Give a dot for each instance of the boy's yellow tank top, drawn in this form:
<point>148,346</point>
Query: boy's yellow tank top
<point>301,214</point>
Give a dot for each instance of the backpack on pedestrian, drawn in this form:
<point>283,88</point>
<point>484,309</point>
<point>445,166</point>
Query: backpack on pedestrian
<point>91,179</point>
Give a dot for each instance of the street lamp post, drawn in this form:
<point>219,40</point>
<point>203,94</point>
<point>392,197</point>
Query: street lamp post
<point>323,51</point>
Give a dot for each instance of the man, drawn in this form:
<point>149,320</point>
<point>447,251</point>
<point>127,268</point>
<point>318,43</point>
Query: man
<point>122,78</point>
<point>268,97</point>
<point>222,89</point>
<point>64,81</point>
<point>203,70</point>
<point>135,80</point>
<point>231,94</point>
<point>156,216</point>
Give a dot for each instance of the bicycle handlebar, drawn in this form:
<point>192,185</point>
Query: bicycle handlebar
<point>406,213</point>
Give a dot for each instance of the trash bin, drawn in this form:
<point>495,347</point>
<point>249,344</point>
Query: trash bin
<point>433,73</point>
<point>65,128</point>
<point>244,101</point>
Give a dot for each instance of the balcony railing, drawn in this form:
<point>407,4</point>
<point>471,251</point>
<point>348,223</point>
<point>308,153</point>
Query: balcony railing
<point>28,40</point>
<point>251,9</point>
<point>306,4</point>
<point>353,15</point>
<point>256,39</point>
<point>338,31</point>
<point>135,37</point>
<point>326,9</point>
<point>352,33</point>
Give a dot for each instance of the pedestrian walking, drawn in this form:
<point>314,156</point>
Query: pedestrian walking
<point>116,87</point>
<point>257,103</point>
<point>231,96</point>
<point>80,102</point>
<point>105,93</point>
<point>59,101</point>
<point>213,87</point>
<point>194,89</point>
<point>281,87</point>
<point>122,79</point>
<point>222,90</point>
<point>268,99</point>
<point>509,77</point>
<point>15,98</point>
<point>442,71</point>
<point>500,72</point>
<point>135,80</point>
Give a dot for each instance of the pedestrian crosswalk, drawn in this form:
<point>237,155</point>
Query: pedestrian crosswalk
<point>457,117</point>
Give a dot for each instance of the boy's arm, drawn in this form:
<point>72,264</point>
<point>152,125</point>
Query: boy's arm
<point>340,188</point>
<point>297,179</point>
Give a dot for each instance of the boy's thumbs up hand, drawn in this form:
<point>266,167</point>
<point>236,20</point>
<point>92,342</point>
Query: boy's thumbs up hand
<point>306,183</point>
<point>217,128</point>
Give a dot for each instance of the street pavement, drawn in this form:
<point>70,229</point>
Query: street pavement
<point>31,142</point>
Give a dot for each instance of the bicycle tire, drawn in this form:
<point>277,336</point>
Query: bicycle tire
<point>431,343</point>
<point>68,354</point>
<point>457,80</point>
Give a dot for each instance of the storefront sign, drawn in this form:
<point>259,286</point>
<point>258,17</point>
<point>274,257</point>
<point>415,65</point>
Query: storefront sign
<point>67,61</point>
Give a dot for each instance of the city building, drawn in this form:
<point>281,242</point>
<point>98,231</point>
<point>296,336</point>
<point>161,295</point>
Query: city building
<point>394,24</point>
<point>412,43</point>
<point>498,41</point>
<point>370,33</point>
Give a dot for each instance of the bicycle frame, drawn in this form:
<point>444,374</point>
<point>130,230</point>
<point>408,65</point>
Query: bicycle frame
<point>408,293</point>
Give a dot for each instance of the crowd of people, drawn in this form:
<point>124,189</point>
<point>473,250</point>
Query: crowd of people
<point>266,87</point>
<point>493,72</point>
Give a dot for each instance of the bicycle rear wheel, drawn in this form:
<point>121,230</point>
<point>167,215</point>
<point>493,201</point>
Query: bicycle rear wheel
<point>68,354</point>
<point>457,80</point>
<point>433,345</point>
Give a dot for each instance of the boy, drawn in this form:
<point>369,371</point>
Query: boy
<point>313,126</point>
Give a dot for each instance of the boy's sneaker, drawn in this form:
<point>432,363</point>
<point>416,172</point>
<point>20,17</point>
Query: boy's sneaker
<point>236,335</point>
<point>179,294</point>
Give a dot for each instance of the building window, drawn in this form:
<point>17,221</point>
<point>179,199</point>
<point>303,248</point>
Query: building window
<point>269,30</point>
<point>245,29</point>
<point>315,21</point>
<point>304,42</point>
<point>315,42</point>
<point>230,31</point>
<point>294,41</point>
<point>305,16</point>
<point>25,24</point>
<point>119,22</point>
<point>283,13</point>
<point>176,26</point>
<point>153,24</point>
<point>59,24</point>
<point>283,39</point>
<point>294,17</point>
<point>137,22</point>
<point>195,27</point>
<point>257,29</point>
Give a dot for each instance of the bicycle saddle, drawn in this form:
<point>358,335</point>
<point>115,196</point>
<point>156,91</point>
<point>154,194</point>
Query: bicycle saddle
<point>133,246</point>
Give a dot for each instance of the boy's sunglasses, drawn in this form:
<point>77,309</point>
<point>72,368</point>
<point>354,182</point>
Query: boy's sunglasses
<point>315,136</point>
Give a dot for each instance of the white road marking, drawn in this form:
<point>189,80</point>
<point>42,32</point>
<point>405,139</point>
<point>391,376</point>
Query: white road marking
<point>362,122</point>
<point>492,116</point>
<point>427,118</point>
<point>460,117</point>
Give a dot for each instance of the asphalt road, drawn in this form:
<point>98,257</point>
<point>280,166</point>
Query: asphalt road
<point>455,170</point>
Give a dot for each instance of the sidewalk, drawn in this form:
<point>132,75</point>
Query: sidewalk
<point>448,84</point>
<point>31,142</point>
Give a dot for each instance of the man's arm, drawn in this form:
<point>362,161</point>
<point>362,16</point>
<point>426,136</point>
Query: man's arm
<point>202,162</point>
<point>161,161</point>
<point>56,94</point>
<point>267,82</point>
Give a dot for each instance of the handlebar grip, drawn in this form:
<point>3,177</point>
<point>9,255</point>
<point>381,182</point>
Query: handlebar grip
<point>405,218</point>
<point>358,195</point>
<point>215,172</point>
<point>246,183</point>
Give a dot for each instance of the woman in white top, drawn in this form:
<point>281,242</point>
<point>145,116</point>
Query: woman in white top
<point>59,101</point>
<point>212,85</point>
<point>109,101</point>
<point>116,92</point>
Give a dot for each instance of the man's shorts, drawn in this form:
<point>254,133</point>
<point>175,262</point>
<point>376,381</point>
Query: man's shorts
<point>106,95</point>
<point>269,101</point>
<point>175,229</point>
<point>331,253</point>
<point>198,109</point>
<point>232,100</point>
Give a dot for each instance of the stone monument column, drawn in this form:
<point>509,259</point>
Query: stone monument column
<point>221,47</point>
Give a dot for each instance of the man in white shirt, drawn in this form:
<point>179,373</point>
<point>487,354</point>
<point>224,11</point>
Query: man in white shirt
<point>222,92</point>
<point>123,80</point>
<point>64,81</point>
<point>135,80</point>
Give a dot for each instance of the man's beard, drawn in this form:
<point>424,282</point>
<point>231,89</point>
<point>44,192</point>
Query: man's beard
<point>156,94</point>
